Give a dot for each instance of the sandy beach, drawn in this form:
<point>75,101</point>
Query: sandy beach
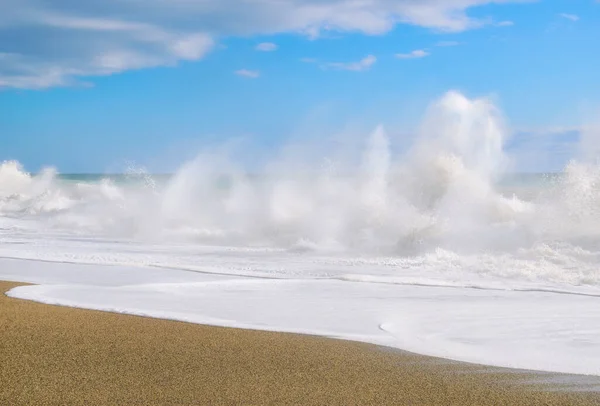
<point>62,356</point>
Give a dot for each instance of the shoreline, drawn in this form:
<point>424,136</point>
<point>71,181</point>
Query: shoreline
<point>62,355</point>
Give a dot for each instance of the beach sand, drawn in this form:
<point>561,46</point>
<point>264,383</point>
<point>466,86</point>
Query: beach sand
<point>52,355</point>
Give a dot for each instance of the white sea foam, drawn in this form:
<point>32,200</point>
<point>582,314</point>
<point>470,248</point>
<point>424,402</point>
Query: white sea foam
<point>424,250</point>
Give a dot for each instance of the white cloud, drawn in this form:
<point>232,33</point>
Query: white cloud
<point>55,42</point>
<point>362,65</point>
<point>572,17</point>
<point>308,60</point>
<point>266,47</point>
<point>416,54</point>
<point>191,47</point>
<point>89,47</point>
<point>505,24</point>
<point>447,44</point>
<point>251,74</point>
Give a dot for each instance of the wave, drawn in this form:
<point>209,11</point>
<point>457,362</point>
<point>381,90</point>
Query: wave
<point>442,193</point>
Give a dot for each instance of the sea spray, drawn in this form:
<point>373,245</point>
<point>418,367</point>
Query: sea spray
<point>441,193</point>
<point>440,190</point>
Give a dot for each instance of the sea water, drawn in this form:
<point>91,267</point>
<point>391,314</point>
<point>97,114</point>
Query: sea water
<point>438,250</point>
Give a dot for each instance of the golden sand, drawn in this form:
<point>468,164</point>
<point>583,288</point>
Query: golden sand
<point>52,355</point>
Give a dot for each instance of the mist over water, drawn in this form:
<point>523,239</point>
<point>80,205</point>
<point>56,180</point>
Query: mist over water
<point>443,198</point>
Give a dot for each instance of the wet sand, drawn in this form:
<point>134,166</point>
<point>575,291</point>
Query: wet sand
<point>52,355</point>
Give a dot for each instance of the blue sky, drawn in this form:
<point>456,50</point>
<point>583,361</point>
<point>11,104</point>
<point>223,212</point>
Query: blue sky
<point>88,86</point>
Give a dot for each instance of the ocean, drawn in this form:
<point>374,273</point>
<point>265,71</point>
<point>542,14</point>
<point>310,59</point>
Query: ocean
<point>440,250</point>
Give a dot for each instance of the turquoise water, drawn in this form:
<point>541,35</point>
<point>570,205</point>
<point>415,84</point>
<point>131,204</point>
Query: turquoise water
<point>515,179</point>
<point>118,178</point>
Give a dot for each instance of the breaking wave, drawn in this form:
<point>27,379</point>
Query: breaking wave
<point>443,194</point>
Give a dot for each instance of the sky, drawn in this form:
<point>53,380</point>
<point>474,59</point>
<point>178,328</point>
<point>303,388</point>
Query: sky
<point>90,87</point>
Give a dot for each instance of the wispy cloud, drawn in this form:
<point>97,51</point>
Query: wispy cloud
<point>266,47</point>
<point>362,65</point>
<point>544,149</point>
<point>103,37</point>
<point>250,74</point>
<point>572,17</point>
<point>447,44</point>
<point>416,54</point>
<point>505,23</point>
